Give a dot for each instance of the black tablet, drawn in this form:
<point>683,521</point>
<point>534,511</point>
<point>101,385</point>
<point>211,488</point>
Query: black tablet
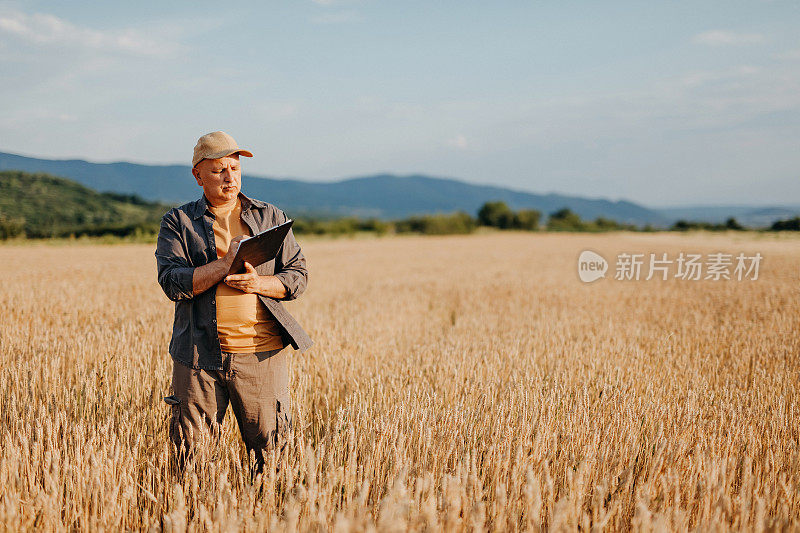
<point>260,248</point>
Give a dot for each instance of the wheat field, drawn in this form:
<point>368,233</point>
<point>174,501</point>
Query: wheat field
<point>457,383</point>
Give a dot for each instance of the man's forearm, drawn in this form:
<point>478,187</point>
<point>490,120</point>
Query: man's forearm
<point>208,275</point>
<point>251,282</point>
<point>272,287</point>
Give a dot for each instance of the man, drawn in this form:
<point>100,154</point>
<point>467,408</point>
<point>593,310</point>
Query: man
<point>230,331</point>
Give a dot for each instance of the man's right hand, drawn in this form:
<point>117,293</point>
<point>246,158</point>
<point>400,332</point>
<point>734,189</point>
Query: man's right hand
<point>232,249</point>
<point>206,276</point>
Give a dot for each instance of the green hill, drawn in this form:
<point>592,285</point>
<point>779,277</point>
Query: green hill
<point>41,205</point>
<point>385,196</point>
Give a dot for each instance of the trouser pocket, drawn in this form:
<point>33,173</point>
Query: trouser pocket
<point>175,422</point>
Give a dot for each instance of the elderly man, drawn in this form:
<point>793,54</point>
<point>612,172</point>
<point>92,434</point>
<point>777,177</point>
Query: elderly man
<point>230,331</point>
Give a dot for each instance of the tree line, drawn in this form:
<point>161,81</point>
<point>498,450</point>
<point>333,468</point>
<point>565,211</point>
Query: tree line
<point>494,214</point>
<point>44,206</point>
<point>497,214</point>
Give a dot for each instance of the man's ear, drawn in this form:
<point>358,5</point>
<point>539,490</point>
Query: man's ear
<point>196,174</point>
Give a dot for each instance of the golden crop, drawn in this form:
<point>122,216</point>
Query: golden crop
<point>457,383</point>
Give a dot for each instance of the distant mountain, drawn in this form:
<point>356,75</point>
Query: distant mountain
<point>389,196</point>
<point>46,206</point>
<point>384,196</point>
<point>157,183</point>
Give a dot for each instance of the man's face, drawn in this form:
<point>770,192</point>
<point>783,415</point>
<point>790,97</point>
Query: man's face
<point>221,179</point>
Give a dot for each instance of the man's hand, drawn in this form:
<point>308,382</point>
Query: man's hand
<point>233,247</point>
<point>248,282</point>
<point>206,276</point>
<point>251,282</point>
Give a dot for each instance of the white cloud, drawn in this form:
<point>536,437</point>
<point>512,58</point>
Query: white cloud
<point>45,29</point>
<point>790,55</point>
<point>276,110</point>
<point>727,38</point>
<point>338,17</point>
<point>459,142</point>
<point>702,77</point>
<point>334,12</point>
<point>329,3</point>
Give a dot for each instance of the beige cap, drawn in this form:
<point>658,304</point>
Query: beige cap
<point>215,145</point>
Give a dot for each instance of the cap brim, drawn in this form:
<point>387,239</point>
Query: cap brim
<point>227,153</point>
<point>224,153</point>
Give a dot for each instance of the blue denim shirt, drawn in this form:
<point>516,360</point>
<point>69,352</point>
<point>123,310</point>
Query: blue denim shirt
<point>185,242</point>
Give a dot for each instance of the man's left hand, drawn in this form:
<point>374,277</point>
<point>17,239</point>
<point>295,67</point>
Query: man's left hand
<point>249,282</point>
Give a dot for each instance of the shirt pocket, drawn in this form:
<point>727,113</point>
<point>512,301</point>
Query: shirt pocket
<point>199,250</point>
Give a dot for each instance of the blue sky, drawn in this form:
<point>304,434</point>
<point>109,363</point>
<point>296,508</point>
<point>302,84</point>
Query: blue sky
<point>662,103</point>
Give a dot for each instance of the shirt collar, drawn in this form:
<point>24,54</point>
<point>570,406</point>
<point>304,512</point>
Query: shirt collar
<point>201,206</point>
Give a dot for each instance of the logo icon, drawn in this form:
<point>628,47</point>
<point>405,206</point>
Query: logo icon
<point>591,266</point>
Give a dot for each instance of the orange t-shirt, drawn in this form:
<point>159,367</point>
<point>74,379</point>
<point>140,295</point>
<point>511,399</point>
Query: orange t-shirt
<point>244,324</point>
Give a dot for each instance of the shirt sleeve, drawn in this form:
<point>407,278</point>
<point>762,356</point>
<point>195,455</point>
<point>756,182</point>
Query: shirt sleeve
<point>174,271</point>
<point>290,264</point>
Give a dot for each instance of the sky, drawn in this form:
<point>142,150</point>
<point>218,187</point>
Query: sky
<point>661,103</point>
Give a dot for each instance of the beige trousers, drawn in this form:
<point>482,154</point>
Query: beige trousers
<point>255,385</point>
